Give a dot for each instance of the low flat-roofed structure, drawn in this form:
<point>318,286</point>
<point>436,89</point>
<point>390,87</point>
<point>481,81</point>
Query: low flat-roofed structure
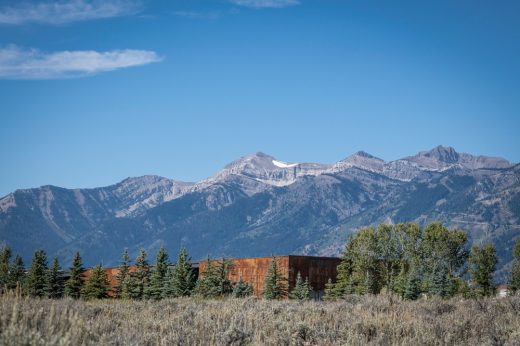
<point>318,270</point>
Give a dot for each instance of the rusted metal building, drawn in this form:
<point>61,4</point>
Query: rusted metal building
<point>318,270</point>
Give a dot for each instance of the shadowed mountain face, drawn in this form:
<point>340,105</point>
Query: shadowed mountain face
<point>259,206</point>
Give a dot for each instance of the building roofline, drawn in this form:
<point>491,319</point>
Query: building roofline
<point>196,264</point>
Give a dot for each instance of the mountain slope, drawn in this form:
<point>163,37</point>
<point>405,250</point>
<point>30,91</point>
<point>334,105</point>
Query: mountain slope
<point>259,206</point>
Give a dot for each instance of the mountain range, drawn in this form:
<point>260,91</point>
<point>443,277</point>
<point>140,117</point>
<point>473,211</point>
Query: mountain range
<point>258,206</point>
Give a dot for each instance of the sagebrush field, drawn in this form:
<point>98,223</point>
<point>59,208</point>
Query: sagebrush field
<point>357,320</point>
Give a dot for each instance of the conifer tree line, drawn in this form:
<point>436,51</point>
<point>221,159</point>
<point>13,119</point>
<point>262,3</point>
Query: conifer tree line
<point>412,261</point>
<point>404,259</point>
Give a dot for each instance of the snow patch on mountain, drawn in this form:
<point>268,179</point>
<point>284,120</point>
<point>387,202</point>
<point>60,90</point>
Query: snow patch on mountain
<point>283,164</point>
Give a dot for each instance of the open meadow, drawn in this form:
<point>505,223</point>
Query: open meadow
<point>357,320</point>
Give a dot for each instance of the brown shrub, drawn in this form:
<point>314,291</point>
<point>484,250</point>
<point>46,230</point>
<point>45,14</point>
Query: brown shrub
<point>358,320</point>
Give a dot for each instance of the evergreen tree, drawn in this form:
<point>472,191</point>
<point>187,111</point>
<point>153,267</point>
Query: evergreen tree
<point>412,289</point>
<point>97,285</point>
<point>141,275</point>
<point>483,260</point>
<point>180,280</point>
<point>274,287</point>
<point>242,289</point>
<point>330,291</point>
<point>130,287</point>
<point>441,284</point>
<point>157,278</point>
<point>214,281</point>
<point>343,283</point>
<point>514,282</point>
<point>16,273</point>
<point>54,281</point>
<point>74,284</point>
<point>121,288</point>
<point>302,289</point>
<point>5,256</point>
<point>36,274</point>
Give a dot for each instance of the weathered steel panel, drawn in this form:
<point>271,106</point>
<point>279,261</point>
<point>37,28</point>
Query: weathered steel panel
<point>318,270</point>
<point>253,270</point>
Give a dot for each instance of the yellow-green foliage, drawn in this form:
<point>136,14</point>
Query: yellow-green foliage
<point>358,320</point>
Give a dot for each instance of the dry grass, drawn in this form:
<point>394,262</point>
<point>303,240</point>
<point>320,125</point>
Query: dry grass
<point>378,320</point>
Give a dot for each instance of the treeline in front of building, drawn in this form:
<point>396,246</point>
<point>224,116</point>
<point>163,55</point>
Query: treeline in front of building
<point>138,281</point>
<point>404,259</point>
<point>412,261</point>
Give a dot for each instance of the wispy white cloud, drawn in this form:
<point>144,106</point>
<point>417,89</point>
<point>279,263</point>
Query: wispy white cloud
<point>63,11</point>
<point>265,3</point>
<point>17,63</point>
<point>198,15</point>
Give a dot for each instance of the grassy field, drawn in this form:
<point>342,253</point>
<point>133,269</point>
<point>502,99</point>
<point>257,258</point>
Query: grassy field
<point>358,320</point>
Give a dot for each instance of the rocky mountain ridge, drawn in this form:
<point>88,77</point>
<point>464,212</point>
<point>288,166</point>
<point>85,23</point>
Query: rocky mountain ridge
<point>258,205</point>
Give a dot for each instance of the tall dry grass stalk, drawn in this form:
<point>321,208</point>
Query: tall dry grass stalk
<point>357,320</point>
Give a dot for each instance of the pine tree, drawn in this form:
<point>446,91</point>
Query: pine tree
<point>242,289</point>
<point>440,284</point>
<point>274,287</point>
<point>344,284</point>
<point>330,291</point>
<point>74,284</point>
<point>5,256</point>
<point>483,260</point>
<point>214,281</point>
<point>121,288</point>
<point>302,289</point>
<point>54,281</point>
<point>180,280</point>
<point>36,274</point>
<point>141,276</point>
<point>157,278</point>
<point>97,285</point>
<point>514,281</point>
<point>16,273</point>
<point>412,288</point>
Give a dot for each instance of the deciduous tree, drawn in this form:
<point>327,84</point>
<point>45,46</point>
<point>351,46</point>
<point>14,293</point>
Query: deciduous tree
<point>482,260</point>
<point>514,281</point>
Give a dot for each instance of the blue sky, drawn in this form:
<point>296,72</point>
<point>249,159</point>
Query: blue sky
<point>95,91</point>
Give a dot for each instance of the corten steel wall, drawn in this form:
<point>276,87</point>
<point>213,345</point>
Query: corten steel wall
<point>253,270</point>
<point>318,270</point>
